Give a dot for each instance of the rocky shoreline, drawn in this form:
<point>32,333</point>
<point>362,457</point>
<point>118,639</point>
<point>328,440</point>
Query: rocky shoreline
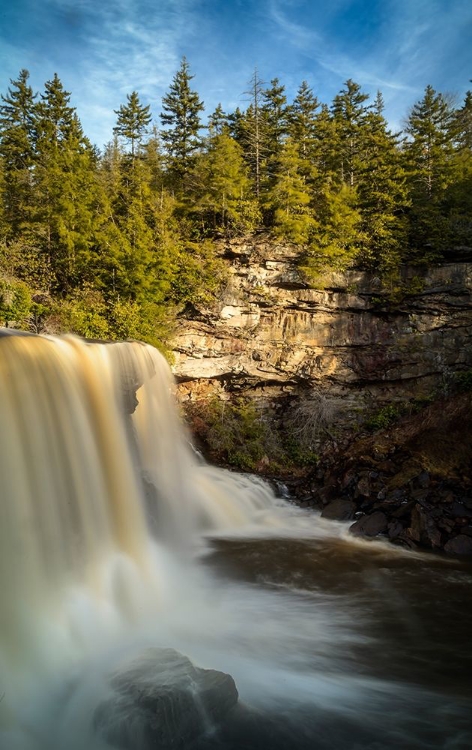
<point>410,483</point>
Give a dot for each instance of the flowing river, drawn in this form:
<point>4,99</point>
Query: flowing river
<point>116,539</point>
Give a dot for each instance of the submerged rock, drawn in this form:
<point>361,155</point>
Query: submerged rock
<point>161,700</point>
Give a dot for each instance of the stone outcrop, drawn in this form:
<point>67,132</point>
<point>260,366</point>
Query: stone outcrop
<point>341,357</point>
<point>271,333</point>
<point>161,700</point>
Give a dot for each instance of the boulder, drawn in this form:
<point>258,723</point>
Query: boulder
<point>459,545</point>
<point>339,510</point>
<point>395,528</point>
<point>371,525</point>
<point>161,700</point>
<point>422,527</point>
<point>363,487</point>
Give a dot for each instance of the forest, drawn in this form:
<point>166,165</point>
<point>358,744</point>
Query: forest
<point>111,243</point>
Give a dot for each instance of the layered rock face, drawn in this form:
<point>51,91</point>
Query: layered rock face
<point>271,331</point>
<point>374,380</point>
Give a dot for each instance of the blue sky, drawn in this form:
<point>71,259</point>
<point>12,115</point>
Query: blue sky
<point>104,49</point>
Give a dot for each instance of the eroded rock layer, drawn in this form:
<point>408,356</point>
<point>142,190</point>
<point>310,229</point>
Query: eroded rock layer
<point>349,340</point>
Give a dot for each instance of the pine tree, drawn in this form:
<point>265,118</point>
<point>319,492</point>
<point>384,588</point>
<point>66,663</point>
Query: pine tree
<point>236,127</point>
<point>462,124</point>
<point>349,114</point>
<point>108,237</point>
<point>326,148</point>
<point>225,186</point>
<point>337,239</point>
<point>458,196</point>
<point>139,230</point>
<point>253,131</point>
<point>17,118</point>
<point>301,119</point>
<point>181,118</point>
<point>429,147</point>
<point>132,121</point>
<point>274,111</point>
<point>4,228</point>
<point>382,193</point>
<point>429,164</point>
<point>289,197</point>
<point>56,120</point>
<point>65,189</point>
<point>218,121</point>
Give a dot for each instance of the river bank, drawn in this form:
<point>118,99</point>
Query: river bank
<point>410,482</point>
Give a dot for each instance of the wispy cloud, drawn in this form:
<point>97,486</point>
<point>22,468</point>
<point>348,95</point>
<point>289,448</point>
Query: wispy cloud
<point>328,50</point>
<point>128,45</point>
<point>104,49</point>
<point>408,44</point>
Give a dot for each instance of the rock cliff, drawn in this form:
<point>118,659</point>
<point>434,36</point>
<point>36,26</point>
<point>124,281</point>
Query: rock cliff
<point>271,330</point>
<point>359,375</point>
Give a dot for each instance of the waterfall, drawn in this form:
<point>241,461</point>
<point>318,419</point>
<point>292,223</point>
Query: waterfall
<point>117,542</point>
<point>96,476</point>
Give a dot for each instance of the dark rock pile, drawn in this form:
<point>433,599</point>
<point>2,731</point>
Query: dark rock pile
<point>411,483</point>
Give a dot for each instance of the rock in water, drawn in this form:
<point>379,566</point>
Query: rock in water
<point>459,545</point>
<point>339,510</point>
<point>371,525</point>
<point>161,700</point>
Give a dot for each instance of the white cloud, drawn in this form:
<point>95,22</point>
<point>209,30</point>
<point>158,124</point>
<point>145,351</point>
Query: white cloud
<point>128,45</point>
<point>103,49</point>
<point>411,43</point>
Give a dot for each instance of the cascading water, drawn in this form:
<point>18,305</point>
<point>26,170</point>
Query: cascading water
<point>104,512</point>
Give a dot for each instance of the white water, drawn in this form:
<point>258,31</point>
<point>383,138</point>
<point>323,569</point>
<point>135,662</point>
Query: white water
<point>104,512</point>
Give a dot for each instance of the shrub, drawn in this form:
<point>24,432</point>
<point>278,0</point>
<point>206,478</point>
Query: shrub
<point>15,302</point>
<point>238,432</point>
<point>383,418</point>
<point>84,313</point>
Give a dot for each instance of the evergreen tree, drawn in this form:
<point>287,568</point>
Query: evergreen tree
<point>65,189</point>
<point>181,118</point>
<point>253,131</point>
<point>458,196</point>
<point>274,111</point>
<point>462,124</point>
<point>108,237</point>
<point>301,119</point>
<point>326,145</point>
<point>236,128</point>
<point>429,147</point>
<point>17,119</point>
<point>225,186</point>
<point>349,114</point>
<point>218,121</point>
<point>382,193</point>
<point>132,121</point>
<point>138,256</point>
<point>337,238</point>
<point>56,121</point>
<point>4,224</point>
<point>289,198</point>
<point>429,164</point>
